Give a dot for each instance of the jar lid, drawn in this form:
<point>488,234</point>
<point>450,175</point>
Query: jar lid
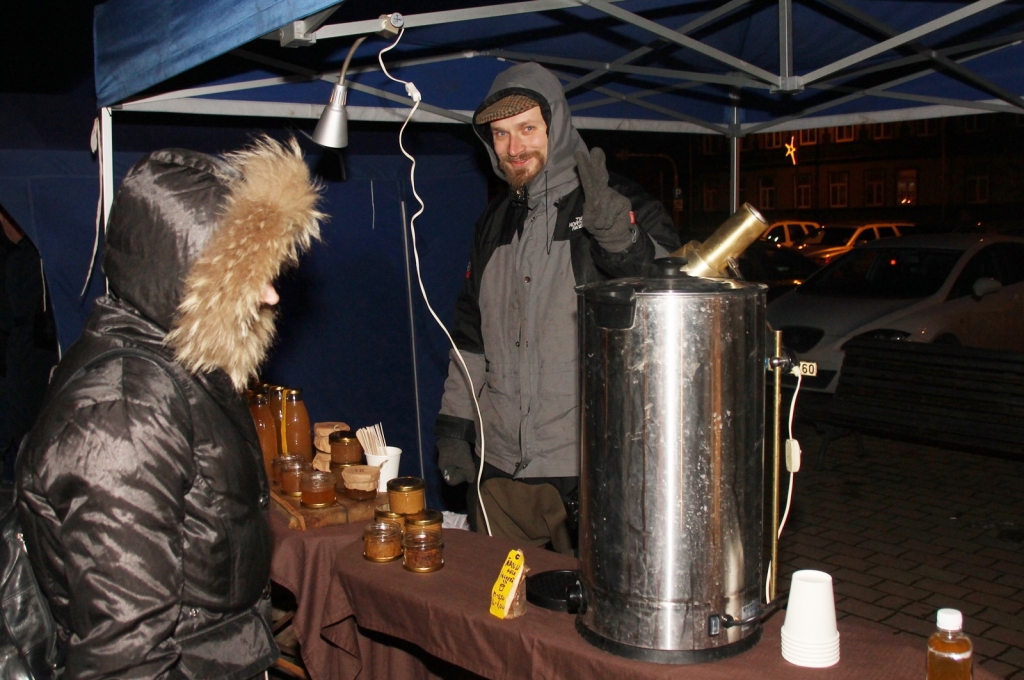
<point>423,540</point>
<point>289,462</point>
<point>382,527</point>
<point>385,512</point>
<point>295,393</point>
<point>338,435</point>
<point>361,477</point>
<point>406,484</point>
<point>424,518</point>
<point>318,476</point>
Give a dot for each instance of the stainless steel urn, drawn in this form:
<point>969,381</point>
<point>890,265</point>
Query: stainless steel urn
<point>672,466</point>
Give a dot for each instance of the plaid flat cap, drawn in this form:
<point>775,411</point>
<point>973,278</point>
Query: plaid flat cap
<point>506,107</point>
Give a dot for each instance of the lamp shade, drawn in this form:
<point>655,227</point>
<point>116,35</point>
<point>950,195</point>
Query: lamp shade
<point>332,130</point>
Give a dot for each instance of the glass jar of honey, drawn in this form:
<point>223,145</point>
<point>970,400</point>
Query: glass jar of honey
<point>382,541</point>
<point>384,512</point>
<point>339,481</point>
<point>406,495</point>
<point>289,471</point>
<point>425,520</point>
<point>265,429</point>
<point>422,551</point>
<point>345,448</point>
<point>296,431</point>
<point>317,488</point>
<point>361,482</point>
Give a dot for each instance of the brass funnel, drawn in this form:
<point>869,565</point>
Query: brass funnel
<point>710,259</point>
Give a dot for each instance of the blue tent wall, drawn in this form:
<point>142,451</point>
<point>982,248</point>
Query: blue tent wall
<point>345,329</point>
<point>345,335</point>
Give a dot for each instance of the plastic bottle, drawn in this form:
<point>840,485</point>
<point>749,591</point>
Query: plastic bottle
<point>949,651</point>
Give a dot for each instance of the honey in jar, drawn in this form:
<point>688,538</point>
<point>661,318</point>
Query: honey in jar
<point>317,489</point>
<point>406,495</point>
<point>275,400</point>
<point>290,471</point>
<point>345,448</point>
<point>422,551</point>
<point>384,512</point>
<point>297,436</point>
<point>361,482</point>
<point>382,541</point>
<point>265,429</point>
<point>425,520</point>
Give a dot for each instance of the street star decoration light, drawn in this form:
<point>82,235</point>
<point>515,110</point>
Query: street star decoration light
<point>791,149</point>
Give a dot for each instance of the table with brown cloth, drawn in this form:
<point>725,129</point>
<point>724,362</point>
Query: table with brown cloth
<point>303,562</point>
<point>387,622</point>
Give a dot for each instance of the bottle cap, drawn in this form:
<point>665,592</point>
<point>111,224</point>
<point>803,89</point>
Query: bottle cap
<point>949,619</point>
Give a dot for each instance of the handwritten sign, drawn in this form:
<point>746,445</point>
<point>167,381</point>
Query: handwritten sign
<point>508,581</point>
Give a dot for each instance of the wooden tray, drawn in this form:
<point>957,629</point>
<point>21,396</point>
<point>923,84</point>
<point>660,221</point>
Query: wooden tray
<point>344,510</point>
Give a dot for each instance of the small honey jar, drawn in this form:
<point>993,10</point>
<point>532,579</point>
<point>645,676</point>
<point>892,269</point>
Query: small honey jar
<point>289,471</point>
<point>361,482</point>
<point>382,541</point>
<point>345,448</point>
<point>425,520</point>
<point>384,512</point>
<point>339,481</point>
<point>406,495</point>
<point>317,489</point>
<point>422,551</point>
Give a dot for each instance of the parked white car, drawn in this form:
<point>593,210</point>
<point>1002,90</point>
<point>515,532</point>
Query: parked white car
<point>965,289</point>
<point>834,240</point>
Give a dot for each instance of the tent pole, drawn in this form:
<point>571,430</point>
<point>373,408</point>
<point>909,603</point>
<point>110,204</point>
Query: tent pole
<point>106,162</point>
<point>734,160</point>
<point>106,170</point>
<point>412,336</point>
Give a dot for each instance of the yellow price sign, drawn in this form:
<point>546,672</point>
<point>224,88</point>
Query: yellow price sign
<point>508,581</point>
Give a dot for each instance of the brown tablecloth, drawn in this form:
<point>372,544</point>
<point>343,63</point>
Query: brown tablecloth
<point>390,623</point>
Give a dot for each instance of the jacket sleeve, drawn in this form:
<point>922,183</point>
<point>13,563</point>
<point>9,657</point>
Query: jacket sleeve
<point>113,483</point>
<point>457,417</point>
<point>657,235</point>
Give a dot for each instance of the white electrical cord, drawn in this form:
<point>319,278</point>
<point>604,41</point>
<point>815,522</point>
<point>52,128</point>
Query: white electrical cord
<point>789,493</point>
<point>411,90</point>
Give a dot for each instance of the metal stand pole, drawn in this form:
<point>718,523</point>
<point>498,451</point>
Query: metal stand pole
<point>776,467</point>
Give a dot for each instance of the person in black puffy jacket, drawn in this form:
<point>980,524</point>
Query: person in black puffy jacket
<point>141,487</point>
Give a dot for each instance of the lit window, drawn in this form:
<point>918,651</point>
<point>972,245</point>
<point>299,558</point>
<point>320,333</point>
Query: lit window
<point>766,193</point>
<point>874,188</point>
<point>906,187</point>
<point>977,189</point>
<point>838,189</point>
<point>802,191</point>
<point>844,133</point>
<point>808,137</point>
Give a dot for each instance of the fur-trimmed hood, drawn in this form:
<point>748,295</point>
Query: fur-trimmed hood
<point>193,240</point>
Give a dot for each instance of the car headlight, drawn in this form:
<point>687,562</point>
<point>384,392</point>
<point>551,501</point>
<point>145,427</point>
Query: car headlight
<point>880,334</point>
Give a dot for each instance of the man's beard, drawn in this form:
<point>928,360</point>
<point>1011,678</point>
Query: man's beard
<point>520,177</point>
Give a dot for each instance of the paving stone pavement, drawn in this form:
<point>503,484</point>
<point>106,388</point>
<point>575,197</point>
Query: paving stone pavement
<point>906,529</point>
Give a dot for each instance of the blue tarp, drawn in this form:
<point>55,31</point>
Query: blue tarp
<point>181,45</point>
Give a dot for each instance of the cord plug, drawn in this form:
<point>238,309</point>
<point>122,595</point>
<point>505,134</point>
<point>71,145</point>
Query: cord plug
<point>410,89</point>
<point>792,455</point>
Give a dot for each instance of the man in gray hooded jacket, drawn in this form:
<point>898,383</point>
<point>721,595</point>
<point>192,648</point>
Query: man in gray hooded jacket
<point>563,222</point>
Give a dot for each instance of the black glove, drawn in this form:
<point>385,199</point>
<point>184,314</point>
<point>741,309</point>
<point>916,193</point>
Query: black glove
<point>606,213</point>
<point>455,458</point>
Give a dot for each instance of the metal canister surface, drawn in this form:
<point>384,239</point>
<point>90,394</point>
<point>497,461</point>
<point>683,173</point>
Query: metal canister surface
<point>672,467</point>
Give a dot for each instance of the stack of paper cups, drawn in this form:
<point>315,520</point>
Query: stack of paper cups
<point>809,635</point>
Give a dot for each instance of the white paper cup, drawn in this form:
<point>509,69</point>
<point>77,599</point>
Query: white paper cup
<point>809,633</point>
<point>388,465</point>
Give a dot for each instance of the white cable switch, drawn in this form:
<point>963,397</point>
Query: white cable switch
<point>792,455</point>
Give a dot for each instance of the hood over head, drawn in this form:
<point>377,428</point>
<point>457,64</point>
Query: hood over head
<point>539,84</point>
<point>193,241</point>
